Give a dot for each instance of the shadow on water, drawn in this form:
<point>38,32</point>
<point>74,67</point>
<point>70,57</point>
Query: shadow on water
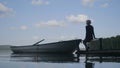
<point>52,58</point>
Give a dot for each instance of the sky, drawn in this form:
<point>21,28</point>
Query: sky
<point>24,22</point>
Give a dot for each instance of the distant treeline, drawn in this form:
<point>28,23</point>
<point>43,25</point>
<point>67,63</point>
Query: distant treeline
<point>4,47</point>
<point>111,43</point>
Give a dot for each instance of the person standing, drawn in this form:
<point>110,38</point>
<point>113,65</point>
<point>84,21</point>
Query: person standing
<point>89,34</point>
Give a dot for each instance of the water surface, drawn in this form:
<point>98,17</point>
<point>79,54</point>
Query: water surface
<point>11,60</point>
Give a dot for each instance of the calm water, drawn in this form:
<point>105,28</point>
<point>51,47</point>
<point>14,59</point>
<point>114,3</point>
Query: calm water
<point>10,60</point>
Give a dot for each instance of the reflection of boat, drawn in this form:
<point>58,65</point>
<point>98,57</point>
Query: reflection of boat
<point>54,58</point>
<point>56,47</point>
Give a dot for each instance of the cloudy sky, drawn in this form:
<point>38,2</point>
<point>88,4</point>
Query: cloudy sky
<point>27,21</point>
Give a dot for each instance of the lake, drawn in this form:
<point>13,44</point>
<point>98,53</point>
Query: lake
<point>10,60</point>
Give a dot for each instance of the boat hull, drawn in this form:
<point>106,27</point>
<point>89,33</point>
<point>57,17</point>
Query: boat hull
<point>56,47</point>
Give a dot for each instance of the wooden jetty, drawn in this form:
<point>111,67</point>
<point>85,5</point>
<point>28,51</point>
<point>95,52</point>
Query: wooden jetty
<point>103,46</point>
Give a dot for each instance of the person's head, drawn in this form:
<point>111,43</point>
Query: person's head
<point>88,22</point>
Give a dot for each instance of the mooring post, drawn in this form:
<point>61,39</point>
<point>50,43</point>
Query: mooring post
<point>100,43</point>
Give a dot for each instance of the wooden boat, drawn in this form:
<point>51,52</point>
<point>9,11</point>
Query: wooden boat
<point>68,46</point>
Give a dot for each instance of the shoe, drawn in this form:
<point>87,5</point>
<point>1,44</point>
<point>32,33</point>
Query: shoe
<point>87,48</point>
<point>77,52</point>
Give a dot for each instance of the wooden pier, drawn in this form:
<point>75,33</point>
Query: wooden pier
<point>103,46</point>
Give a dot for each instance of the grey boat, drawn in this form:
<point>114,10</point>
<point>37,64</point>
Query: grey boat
<point>68,46</point>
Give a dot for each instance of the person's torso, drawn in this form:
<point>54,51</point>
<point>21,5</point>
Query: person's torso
<point>89,30</point>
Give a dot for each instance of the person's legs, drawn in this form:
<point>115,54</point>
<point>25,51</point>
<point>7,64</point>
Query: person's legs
<point>77,50</point>
<point>84,42</point>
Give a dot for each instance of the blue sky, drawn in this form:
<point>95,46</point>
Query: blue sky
<point>27,21</point>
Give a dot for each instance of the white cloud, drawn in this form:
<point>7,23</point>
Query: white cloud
<point>19,28</point>
<point>50,23</point>
<point>77,18</point>
<point>67,37</point>
<point>23,27</point>
<point>40,2</point>
<point>88,2</point>
<point>5,11</point>
<point>105,5</point>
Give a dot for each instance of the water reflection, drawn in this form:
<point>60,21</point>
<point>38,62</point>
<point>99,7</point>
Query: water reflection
<point>90,60</point>
<point>103,58</point>
<point>37,57</point>
<point>64,58</point>
<point>89,65</point>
